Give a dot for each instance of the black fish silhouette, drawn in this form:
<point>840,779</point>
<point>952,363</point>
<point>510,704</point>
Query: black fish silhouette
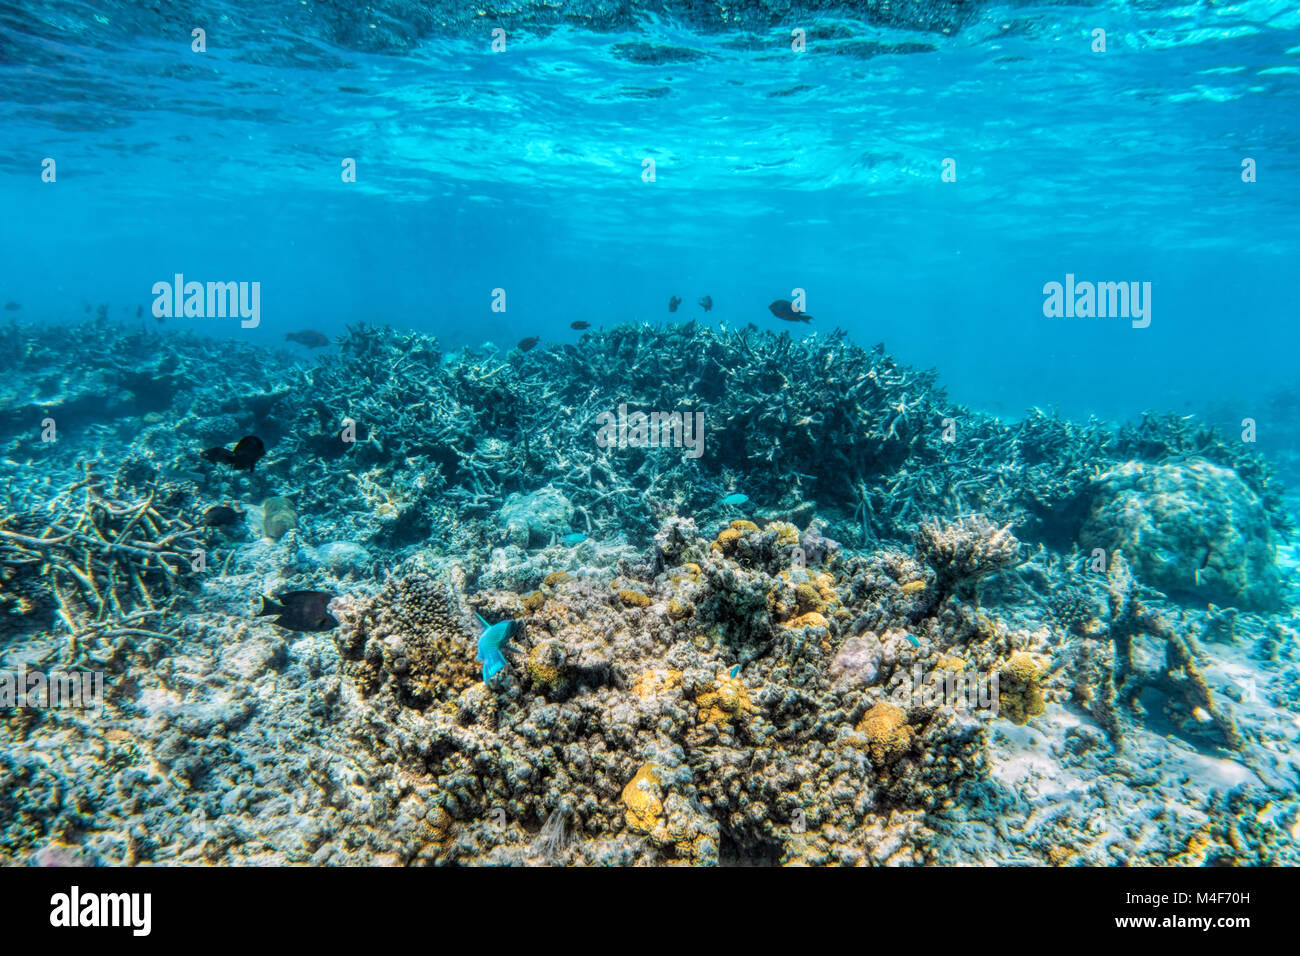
<point>300,610</point>
<point>528,343</point>
<point>674,302</point>
<point>309,338</point>
<point>579,325</point>
<point>245,454</point>
<point>220,515</point>
<point>783,309</point>
<point>706,303</point>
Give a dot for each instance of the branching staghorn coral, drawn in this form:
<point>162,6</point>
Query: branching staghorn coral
<point>109,566</point>
<point>963,551</point>
<point>804,427</point>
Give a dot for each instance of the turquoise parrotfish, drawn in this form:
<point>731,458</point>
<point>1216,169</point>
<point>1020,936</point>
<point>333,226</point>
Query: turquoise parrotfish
<point>489,645</point>
<point>736,499</point>
<point>576,538</point>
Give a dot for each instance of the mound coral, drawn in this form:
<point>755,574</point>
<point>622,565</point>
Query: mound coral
<point>1189,528</point>
<point>1020,696</point>
<point>723,701</point>
<point>887,732</point>
<point>411,634</point>
<point>278,517</point>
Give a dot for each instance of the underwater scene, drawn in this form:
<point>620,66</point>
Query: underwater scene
<point>649,433</point>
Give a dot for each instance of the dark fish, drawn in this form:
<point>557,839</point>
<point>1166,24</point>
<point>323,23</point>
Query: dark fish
<point>300,610</point>
<point>782,309</point>
<point>139,311</point>
<point>528,343</point>
<point>579,325</point>
<point>706,303</point>
<point>13,306</point>
<point>219,516</point>
<point>674,302</point>
<point>245,455</point>
<point>308,337</point>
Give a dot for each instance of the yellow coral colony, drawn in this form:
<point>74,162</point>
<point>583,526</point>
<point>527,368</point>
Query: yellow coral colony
<point>643,800</point>
<point>724,702</point>
<point>888,734</point>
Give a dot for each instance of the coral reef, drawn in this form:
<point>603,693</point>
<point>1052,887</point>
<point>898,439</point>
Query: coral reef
<point>898,650</point>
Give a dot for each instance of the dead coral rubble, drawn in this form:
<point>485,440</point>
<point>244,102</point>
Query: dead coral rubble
<point>108,563</point>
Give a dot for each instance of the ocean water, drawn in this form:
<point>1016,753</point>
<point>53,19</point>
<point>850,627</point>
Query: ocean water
<point>382,171</point>
<point>823,170</point>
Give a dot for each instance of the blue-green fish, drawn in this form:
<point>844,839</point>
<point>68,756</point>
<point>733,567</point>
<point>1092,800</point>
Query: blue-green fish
<point>736,499</point>
<point>490,642</point>
<point>576,538</point>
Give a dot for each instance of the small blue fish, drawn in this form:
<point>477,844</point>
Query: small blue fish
<point>915,642</point>
<point>734,671</point>
<point>736,499</point>
<point>576,538</point>
<point>489,645</point>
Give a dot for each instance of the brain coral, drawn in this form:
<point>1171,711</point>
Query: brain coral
<point>1190,528</point>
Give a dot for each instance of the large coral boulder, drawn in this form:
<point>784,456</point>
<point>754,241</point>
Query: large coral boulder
<point>530,521</point>
<point>1190,528</point>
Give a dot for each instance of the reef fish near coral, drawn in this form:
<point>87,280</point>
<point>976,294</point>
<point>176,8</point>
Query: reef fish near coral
<point>300,610</point>
<point>706,303</point>
<point>579,325</point>
<point>309,338</point>
<point>674,302</point>
<point>785,310</point>
<point>245,455</point>
<point>528,344</point>
<point>736,499</point>
<point>490,643</point>
<point>220,516</point>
